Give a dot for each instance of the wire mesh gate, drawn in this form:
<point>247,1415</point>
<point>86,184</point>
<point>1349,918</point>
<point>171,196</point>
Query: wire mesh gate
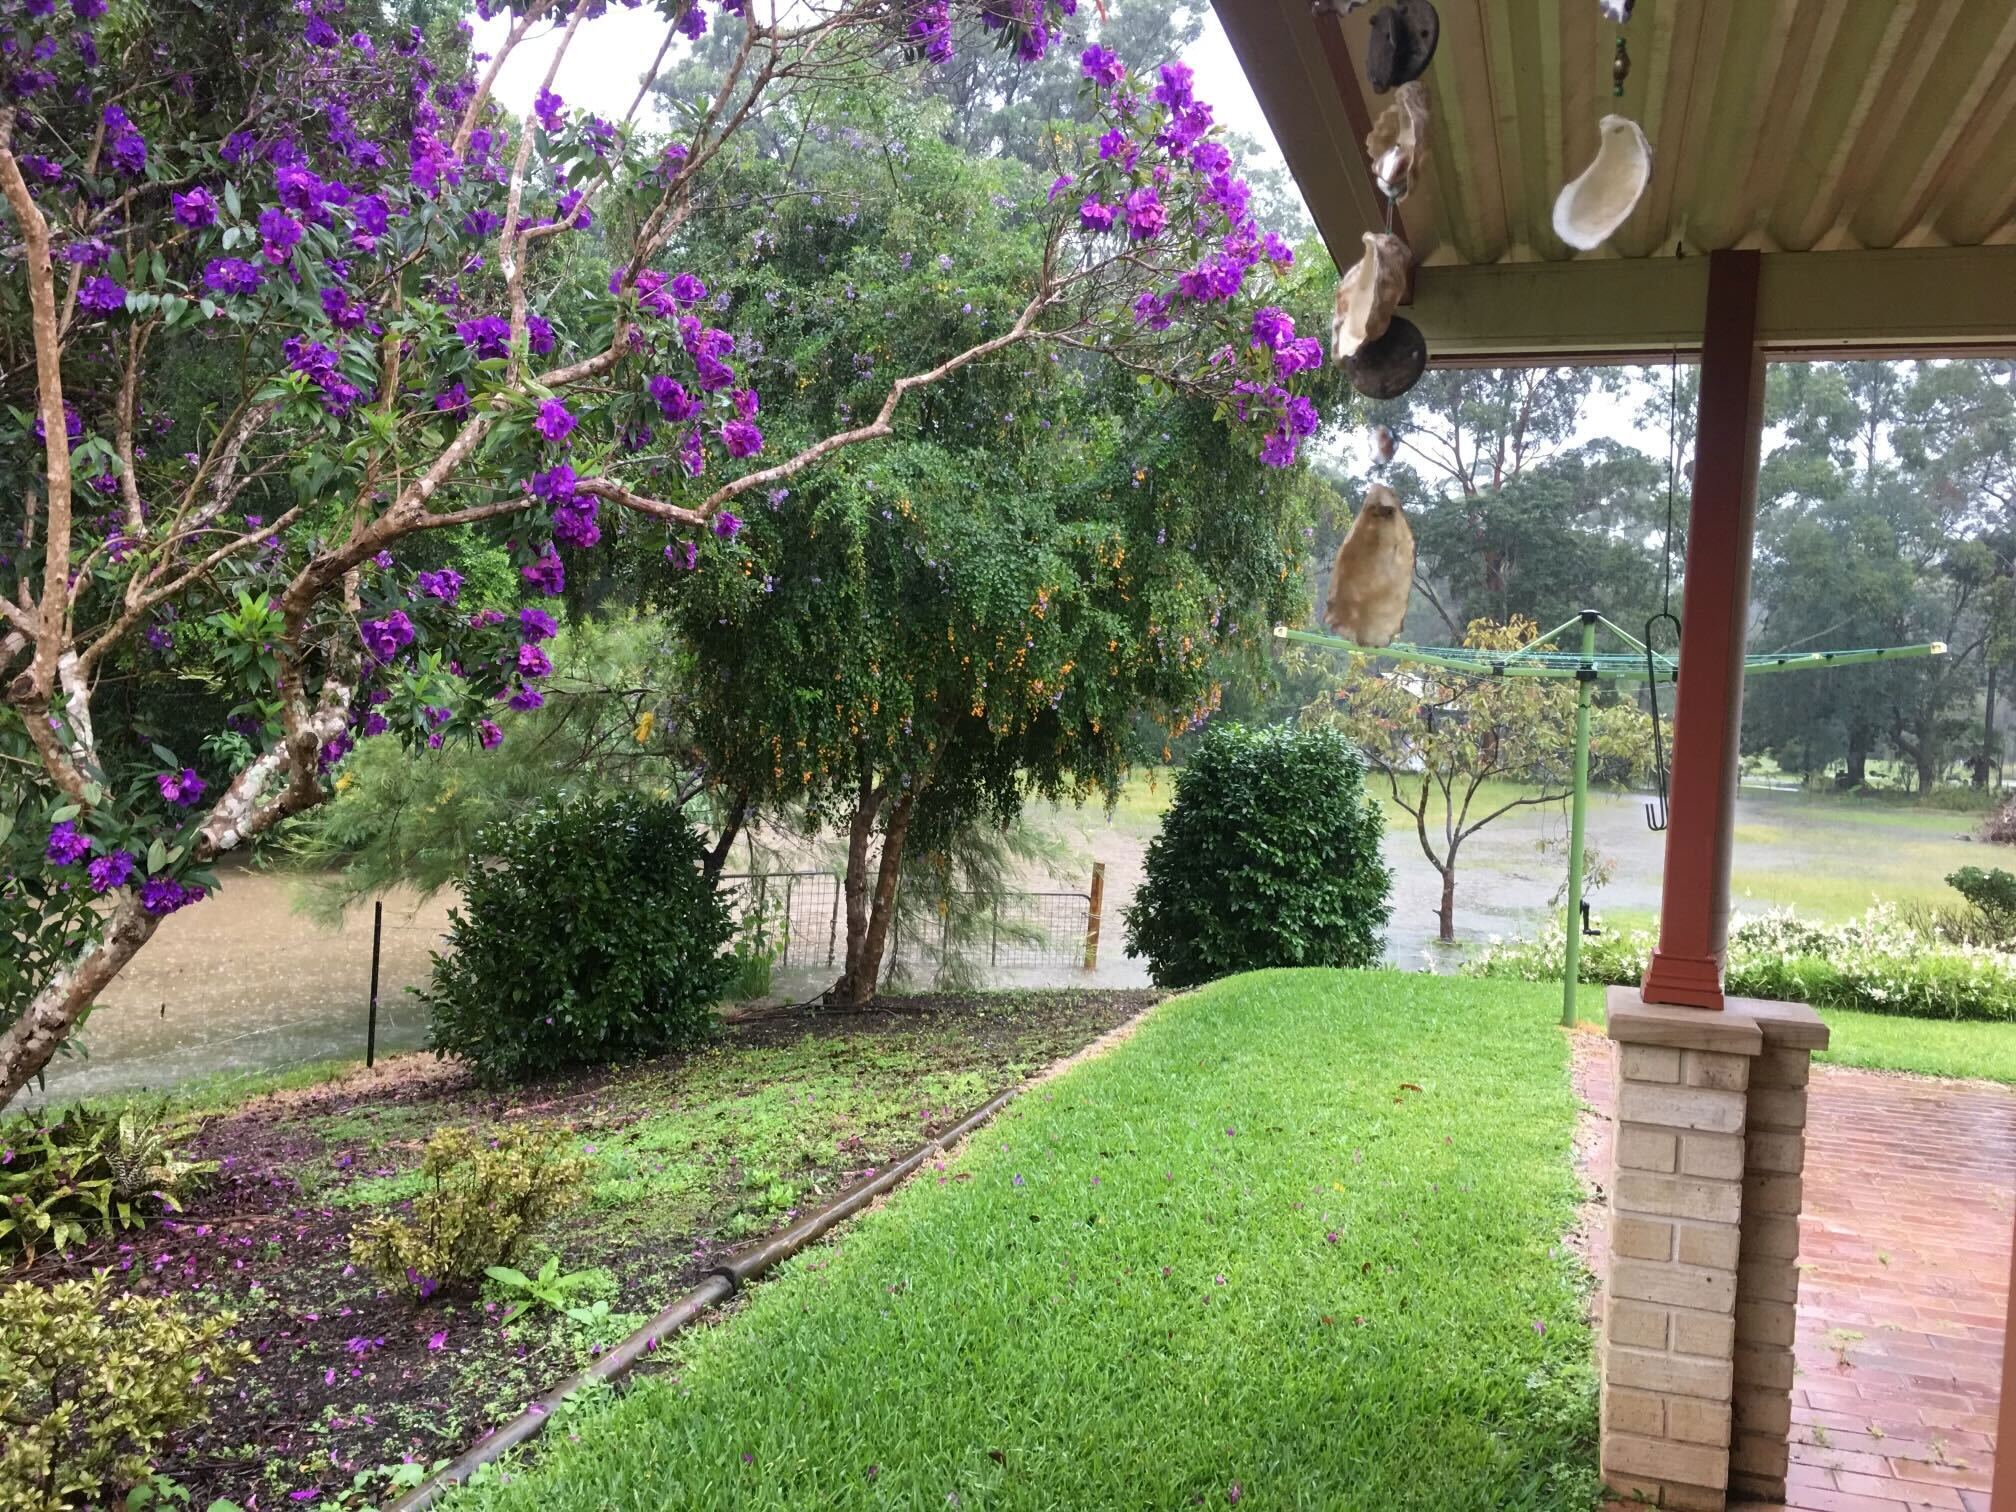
<point>1022,930</point>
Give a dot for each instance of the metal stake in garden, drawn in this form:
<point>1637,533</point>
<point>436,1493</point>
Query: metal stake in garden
<point>1587,666</point>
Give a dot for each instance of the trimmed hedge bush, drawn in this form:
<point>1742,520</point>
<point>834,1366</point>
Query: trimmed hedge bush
<point>587,934</point>
<point>1269,856</point>
<point>1874,964</point>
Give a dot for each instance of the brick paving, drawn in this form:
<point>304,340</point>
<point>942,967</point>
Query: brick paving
<point>1904,1249</point>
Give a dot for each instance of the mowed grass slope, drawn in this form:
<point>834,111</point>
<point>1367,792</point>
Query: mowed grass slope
<point>1296,1244</point>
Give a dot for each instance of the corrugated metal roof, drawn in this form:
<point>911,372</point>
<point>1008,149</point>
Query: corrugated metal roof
<point>1785,125</point>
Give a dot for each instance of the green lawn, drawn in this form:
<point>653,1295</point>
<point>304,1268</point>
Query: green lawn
<point>1300,1236</point>
<point>1929,1047</point>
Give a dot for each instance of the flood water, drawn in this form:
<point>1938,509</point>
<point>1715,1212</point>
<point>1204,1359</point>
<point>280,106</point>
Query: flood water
<point>245,983</point>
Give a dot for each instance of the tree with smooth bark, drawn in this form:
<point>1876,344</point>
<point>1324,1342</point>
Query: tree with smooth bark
<point>376,268</point>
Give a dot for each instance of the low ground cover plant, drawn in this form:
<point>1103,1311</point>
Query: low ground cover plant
<point>483,1197</point>
<point>1295,1243</point>
<point>92,1386</point>
<point>73,1176</point>
<point>1878,963</point>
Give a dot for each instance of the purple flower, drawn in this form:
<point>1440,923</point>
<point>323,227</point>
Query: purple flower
<point>527,699</point>
<point>453,400</point>
<point>230,275</point>
<point>279,234</point>
<point>555,485</point>
<point>445,585</point>
<point>1117,144</point>
<point>747,402</point>
<point>488,335</point>
<point>533,662</point>
<point>727,526</point>
<point>742,439</point>
<point>683,554</point>
<point>1303,352</point>
<point>182,788</point>
<point>1058,185</point>
<point>536,624</point>
<point>101,293</point>
<point>1145,214</point>
<point>66,846</point>
<point>1278,450</point>
<point>673,400</point>
<point>1272,326</point>
<point>1101,66</point>
<point>688,290</point>
<point>488,736</point>
<point>123,143</point>
<point>195,209</point>
<point>161,896</point>
<point>548,575</point>
<point>554,422</point>
<point>386,638</point>
<point>345,313</point>
<point>549,108</point>
<point>319,33</point>
<point>1174,90</point>
<point>539,335</point>
<point>374,724</point>
<point>1095,216</point>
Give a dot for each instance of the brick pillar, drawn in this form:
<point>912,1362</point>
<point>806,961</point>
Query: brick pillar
<point>1669,1314</point>
<point>1767,1284</point>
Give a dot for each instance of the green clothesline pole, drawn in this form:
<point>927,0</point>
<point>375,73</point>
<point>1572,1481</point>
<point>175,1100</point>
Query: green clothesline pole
<point>1588,669</point>
<point>1578,815</point>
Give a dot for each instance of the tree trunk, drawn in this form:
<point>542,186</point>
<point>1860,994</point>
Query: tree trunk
<point>718,856</point>
<point>31,1040</point>
<point>1857,774</point>
<point>854,888</point>
<point>1986,765</point>
<point>1927,762</point>
<point>1445,916</point>
<point>869,917</point>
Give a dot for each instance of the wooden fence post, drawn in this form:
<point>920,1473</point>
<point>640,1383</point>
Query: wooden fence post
<point>1094,907</point>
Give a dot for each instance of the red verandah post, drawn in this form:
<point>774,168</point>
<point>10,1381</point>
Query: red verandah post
<point>1686,968</point>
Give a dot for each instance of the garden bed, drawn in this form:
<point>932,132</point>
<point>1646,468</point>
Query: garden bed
<point>688,1157</point>
<point>1298,1242</point>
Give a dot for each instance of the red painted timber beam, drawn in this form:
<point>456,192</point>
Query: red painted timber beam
<point>1686,968</point>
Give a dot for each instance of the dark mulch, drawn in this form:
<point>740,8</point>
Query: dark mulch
<point>352,1378</point>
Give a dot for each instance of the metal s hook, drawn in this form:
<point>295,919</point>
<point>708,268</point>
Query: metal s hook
<point>1656,816</point>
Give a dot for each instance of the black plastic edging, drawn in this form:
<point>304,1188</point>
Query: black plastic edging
<point>719,1285</point>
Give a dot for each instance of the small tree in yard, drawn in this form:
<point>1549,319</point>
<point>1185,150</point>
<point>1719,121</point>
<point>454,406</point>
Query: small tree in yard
<point>284,292</point>
<point>1268,856</point>
<point>1460,750</point>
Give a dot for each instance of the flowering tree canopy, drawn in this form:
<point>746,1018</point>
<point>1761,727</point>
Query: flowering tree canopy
<point>285,291</point>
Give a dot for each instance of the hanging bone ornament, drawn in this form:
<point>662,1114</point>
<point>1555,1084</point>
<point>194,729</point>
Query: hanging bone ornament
<point>1374,572</point>
<point>1596,204</point>
<point>1398,140</point>
<point>1368,295</point>
<point>1402,44</point>
<point>1382,444</point>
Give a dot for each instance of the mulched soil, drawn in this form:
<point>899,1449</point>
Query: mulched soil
<point>351,1377</point>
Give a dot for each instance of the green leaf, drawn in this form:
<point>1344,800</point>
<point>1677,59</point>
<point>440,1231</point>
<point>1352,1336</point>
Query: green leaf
<point>157,857</point>
<point>509,1275</point>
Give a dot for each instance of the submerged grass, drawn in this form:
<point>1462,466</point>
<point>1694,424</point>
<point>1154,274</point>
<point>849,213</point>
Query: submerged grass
<point>1294,1245</point>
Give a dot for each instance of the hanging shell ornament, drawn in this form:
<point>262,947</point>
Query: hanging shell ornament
<point>1389,365</point>
<point>1368,295</point>
<point>1398,141</point>
<point>1382,444</point>
<point>1592,207</point>
<point>1618,11</point>
<point>1402,44</point>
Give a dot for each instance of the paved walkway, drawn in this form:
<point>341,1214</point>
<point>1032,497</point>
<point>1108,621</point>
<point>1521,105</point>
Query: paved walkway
<point>1905,1252</point>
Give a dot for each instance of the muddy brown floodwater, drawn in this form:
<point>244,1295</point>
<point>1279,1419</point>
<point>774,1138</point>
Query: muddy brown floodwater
<point>242,982</point>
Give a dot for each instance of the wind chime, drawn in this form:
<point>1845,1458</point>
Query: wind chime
<point>1382,352</point>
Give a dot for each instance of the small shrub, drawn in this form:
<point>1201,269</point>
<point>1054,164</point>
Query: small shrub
<point>1268,856</point>
<point>1993,896</point>
<point>91,1391</point>
<point>90,1172</point>
<point>480,1201</point>
<point>588,935</point>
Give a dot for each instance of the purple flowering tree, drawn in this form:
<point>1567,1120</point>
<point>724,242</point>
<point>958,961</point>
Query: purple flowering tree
<point>288,291</point>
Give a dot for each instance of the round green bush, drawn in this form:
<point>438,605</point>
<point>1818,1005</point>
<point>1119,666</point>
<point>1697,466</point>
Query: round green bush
<point>587,934</point>
<point>1269,856</point>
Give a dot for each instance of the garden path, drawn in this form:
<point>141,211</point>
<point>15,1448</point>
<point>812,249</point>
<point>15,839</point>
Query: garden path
<point>1904,1251</point>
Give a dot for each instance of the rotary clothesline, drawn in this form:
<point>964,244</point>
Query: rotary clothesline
<point>1589,667</point>
<point>1609,666</point>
